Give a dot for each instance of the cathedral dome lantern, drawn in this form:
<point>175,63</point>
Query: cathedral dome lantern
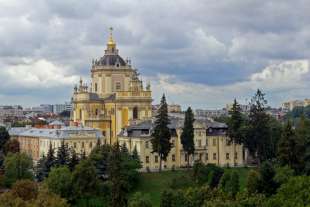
<point>111,56</point>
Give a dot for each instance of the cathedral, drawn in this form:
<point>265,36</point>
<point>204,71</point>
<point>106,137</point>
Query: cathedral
<point>115,98</point>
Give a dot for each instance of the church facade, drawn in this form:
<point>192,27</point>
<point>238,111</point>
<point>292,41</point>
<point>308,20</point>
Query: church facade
<point>115,98</point>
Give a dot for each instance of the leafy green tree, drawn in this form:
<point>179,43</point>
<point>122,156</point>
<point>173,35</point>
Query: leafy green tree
<point>161,133</point>
<point>16,167</point>
<point>48,199</point>
<point>25,189</point>
<point>293,193</point>
<point>120,189</point>
<point>229,183</point>
<point>303,141</point>
<point>283,174</point>
<point>140,200</point>
<point>267,174</point>
<point>187,136</point>
<point>290,149</point>
<point>253,184</point>
<point>85,180</point>
<point>207,174</point>
<point>59,181</point>
<point>63,154</point>
<point>74,160</point>
<point>258,138</point>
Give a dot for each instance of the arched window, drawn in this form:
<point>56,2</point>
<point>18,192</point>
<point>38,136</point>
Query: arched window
<point>135,113</point>
<point>80,114</point>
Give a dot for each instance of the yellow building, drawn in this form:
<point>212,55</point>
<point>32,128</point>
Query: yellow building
<point>211,145</point>
<point>36,141</point>
<point>115,98</point>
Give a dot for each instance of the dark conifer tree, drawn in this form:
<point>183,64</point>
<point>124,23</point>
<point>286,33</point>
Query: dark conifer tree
<point>187,136</point>
<point>119,188</point>
<point>63,154</point>
<point>124,148</point>
<point>41,171</point>
<point>50,159</point>
<point>258,134</point>
<point>236,124</point>
<point>74,160</point>
<point>161,133</point>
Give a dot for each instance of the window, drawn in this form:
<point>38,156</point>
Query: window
<point>96,87</point>
<point>74,144</point>
<point>135,113</point>
<point>173,158</point>
<point>214,156</point>
<point>236,155</point>
<point>207,142</point>
<point>200,156</point>
<point>118,86</point>
<point>185,158</point>
<point>173,143</point>
<point>156,159</point>
<point>207,156</point>
<point>96,112</point>
<point>214,142</point>
<point>146,144</point>
<point>228,142</point>
<point>90,145</point>
<point>147,159</point>
<point>103,133</point>
<point>82,144</point>
<point>227,156</point>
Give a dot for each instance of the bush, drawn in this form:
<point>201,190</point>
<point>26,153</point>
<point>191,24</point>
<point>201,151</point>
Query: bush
<point>140,200</point>
<point>25,189</point>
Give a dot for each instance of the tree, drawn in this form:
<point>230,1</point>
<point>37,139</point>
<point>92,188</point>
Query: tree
<point>85,180</point>
<point>74,160</point>
<point>59,181</point>
<point>161,133</point>
<point>50,159</point>
<point>258,139</point>
<point>267,174</point>
<point>11,146</point>
<point>17,166</point>
<point>100,156</point>
<point>124,148</point>
<point>235,124</point>
<point>235,184</point>
<point>303,140</point>
<point>253,184</point>
<point>63,154</point>
<point>48,199</point>
<point>187,136</point>
<point>25,189</point>
<point>229,183</point>
<point>140,200</point>
<point>4,137</point>
<point>283,174</point>
<point>40,170</point>
<point>290,149</point>
<point>119,185</point>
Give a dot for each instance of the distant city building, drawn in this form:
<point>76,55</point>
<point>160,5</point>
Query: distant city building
<point>58,108</point>
<point>245,108</point>
<point>172,108</point>
<point>290,105</point>
<point>10,111</point>
<point>210,113</point>
<point>36,141</point>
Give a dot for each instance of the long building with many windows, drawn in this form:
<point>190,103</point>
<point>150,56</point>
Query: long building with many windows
<point>211,145</point>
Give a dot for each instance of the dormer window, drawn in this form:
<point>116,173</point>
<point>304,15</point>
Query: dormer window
<point>117,65</point>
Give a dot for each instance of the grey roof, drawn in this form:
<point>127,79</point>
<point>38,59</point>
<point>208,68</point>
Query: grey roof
<point>62,133</point>
<point>111,59</point>
<point>57,122</point>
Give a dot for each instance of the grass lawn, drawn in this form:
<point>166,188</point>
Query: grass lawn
<point>153,184</point>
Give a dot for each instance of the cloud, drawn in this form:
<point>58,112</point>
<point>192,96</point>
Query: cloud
<point>278,81</point>
<point>207,45</point>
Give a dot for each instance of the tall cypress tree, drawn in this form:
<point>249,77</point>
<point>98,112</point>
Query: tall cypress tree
<point>63,154</point>
<point>161,133</point>
<point>187,136</point>
<point>235,124</point>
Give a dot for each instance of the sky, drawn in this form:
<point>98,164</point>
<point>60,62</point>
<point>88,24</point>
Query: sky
<point>200,53</point>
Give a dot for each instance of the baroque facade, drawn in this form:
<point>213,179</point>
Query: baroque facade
<point>115,98</point>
